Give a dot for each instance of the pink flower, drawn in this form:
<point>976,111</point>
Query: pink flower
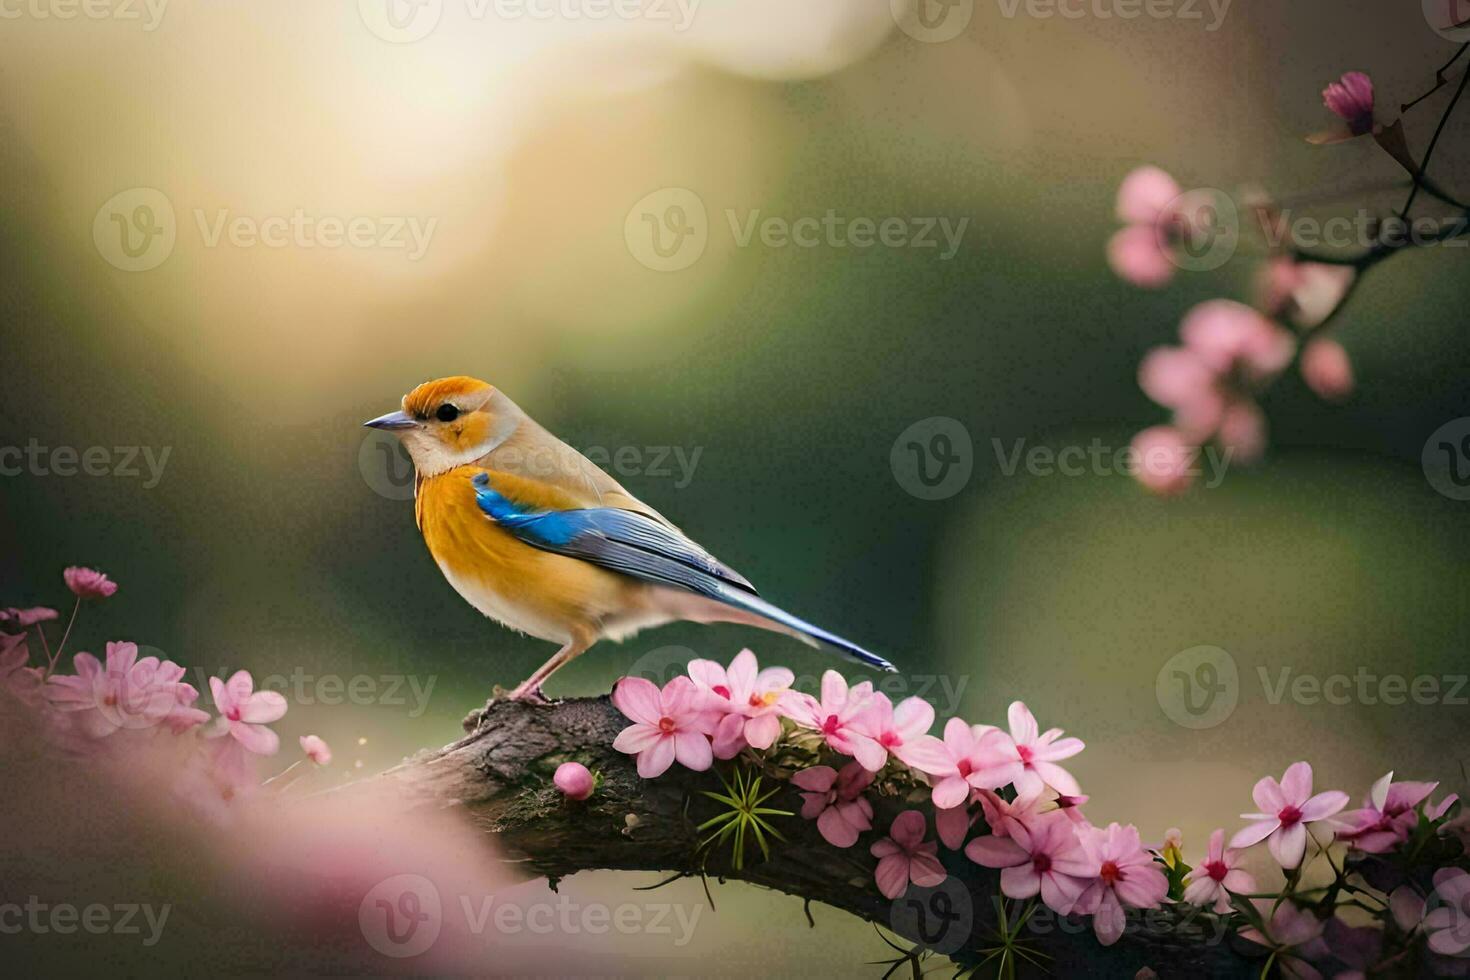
<point>316,749</point>
<point>978,758</point>
<point>667,725</point>
<point>1071,806</point>
<point>1327,370</point>
<point>1038,754</point>
<point>244,713</point>
<point>1124,875</point>
<point>1351,100</point>
<point>904,856</point>
<point>183,715</point>
<point>574,780</point>
<point>1208,883</point>
<point>749,703</point>
<point>1387,817</point>
<point>839,717</point>
<point>27,617</point>
<point>88,583</point>
<point>1232,337</point>
<point>1142,252</point>
<point>1044,858</point>
<point>126,693</point>
<point>1286,809</point>
<point>903,731</point>
<point>835,801</point>
<point>1303,293</point>
<point>1164,461</point>
<point>1294,934</point>
<point>1006,818</point>
<point>1448,921</point>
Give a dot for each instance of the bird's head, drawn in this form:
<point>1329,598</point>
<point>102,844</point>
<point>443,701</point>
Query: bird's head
<point>449,422</point>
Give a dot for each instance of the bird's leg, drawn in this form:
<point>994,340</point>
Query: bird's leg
<point>530,688</point>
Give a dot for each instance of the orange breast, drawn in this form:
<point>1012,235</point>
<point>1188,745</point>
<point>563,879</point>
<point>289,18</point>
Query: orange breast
<point>537,592</point>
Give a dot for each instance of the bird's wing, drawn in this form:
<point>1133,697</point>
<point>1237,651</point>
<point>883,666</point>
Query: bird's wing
<point>637,545</point>
<point>625,541</point>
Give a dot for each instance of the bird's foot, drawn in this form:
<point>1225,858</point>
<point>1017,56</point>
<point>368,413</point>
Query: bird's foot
<point>529,693</point>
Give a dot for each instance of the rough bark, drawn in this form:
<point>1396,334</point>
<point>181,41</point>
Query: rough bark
<point>500,773</point>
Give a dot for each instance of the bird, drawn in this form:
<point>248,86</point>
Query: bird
<point>534,535</point>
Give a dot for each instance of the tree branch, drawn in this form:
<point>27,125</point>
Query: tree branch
<point>500,774</point>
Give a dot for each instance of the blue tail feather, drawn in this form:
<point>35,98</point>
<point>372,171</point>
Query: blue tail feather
<point>759,606</point>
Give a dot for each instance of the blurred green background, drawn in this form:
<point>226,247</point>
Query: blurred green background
<point>275,540</point>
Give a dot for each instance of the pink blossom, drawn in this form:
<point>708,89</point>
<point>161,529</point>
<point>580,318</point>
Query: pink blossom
<point>1209,882</point>
<point>1044,858</point>
<point>835,801</point>
<point>244,713</point>
<point>1164,461</point>
<point>1387,817</point>
<point>1351,99</point>
<point>1448,920</point>
<point>748,702</point>
<point>1038,754</point>
<point>1327,370</point>
<point>1232,337</point>
<point>1286,809</point>
<point>1141,252</point>
<point>1296,936</point>
<point>574,780</point>
<point>904,856</point>
<point>1071,807</point>
<point>1303,293</point>
<point>1124,876</point>
<point>978,757</point>
<point>1243,430</point>
<point>183,715</point>
<point>1137,255</point>
<point>217,779</point>
<point>952,826</point>
<point>126,693</point>
<point>839,716</point>
<point>903,731</point>
<point>668,725</point>
<point>316,749</point>
<point>1008,818</point>
<point>88,583</point>
<point>1144,195</point>
<point>27,617</point>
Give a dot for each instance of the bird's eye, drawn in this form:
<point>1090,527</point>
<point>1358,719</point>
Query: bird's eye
<point>447,413</point>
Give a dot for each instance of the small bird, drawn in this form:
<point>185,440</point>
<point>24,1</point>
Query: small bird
<point>533,534</point>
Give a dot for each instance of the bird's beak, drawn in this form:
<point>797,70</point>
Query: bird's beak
<point>393,420</point>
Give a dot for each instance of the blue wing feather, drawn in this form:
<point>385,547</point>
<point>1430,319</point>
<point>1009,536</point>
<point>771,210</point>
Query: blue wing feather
<point>635,544</point>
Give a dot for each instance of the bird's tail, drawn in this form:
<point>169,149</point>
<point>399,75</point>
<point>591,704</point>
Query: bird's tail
<point>759,612</point>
